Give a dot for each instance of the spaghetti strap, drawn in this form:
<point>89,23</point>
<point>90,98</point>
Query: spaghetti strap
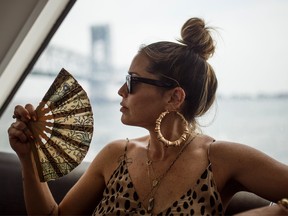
<point>126,146</point>
<point>123,158</point>
<point>208,150</point>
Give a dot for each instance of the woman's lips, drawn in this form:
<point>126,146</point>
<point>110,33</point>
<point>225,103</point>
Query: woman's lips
<point>123,107</point>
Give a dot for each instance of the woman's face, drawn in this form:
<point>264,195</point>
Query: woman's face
<point>145,103</point>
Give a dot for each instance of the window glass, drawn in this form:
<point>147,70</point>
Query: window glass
<point>98,40</point>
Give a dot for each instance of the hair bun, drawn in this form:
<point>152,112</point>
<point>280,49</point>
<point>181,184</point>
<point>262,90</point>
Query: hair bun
<point>197,37</point>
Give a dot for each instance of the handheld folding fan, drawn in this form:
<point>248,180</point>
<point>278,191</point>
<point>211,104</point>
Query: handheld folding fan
<point>63,129</point>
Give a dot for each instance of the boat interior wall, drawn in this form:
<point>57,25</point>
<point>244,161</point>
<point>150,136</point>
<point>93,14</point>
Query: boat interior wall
<point>26,28</point>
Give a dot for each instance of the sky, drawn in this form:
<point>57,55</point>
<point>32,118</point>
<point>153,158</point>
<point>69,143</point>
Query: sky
<point>251,52</point>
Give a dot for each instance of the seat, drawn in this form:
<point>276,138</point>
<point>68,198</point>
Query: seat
<point>12,199</point>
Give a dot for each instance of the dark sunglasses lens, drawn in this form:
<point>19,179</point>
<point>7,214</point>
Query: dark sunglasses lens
<point>128,83</point>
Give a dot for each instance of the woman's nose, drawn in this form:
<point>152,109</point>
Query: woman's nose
<point>123,90</point>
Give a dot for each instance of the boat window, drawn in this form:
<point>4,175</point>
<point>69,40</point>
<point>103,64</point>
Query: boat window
<point>98,39</point>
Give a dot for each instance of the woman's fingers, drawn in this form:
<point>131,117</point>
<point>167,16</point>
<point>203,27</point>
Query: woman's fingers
<point>19,140</point>
<point>20,136</point>
<point>19,130</point>
<point>31,110</point>
<point>24,113</point>
<point>16,134</point>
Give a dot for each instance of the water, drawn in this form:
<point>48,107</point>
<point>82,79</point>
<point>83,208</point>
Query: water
<point>260,123</point>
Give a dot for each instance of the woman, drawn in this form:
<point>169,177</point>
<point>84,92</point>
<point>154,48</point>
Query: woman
<point>172,170</point>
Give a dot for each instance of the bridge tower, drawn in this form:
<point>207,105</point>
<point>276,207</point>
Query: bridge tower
<point>101,61</point>
<point>101,48</point>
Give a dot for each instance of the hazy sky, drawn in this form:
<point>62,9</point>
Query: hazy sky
<point>252,39</point>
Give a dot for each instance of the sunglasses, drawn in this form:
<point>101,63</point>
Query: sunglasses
<point>130,80</point>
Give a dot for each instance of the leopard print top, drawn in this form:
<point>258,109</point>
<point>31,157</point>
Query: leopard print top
<point>121,198</point>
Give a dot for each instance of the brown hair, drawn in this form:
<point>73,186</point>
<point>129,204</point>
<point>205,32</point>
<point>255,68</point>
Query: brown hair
<point>186,62</point>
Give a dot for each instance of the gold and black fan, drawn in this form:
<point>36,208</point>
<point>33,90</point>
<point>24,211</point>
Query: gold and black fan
<point>64,128</point>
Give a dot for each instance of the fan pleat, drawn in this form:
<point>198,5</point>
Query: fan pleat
<point>73,112</point>
<point>61,80</point>
<point>67,97</point>
<point>87,128</point>
<point>50,165</point>
<point>76,141</point>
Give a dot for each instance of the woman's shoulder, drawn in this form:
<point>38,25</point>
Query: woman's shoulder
<point>106,161</point>
<point>224,147</point>
<point>113,150</point>
<point>235,154</point>
<point>125,144</point>
<point>221,151</point>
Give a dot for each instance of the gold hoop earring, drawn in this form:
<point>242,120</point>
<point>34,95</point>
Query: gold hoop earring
<point>162,139</point>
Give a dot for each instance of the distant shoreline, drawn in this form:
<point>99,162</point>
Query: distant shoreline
<point>253,97</point>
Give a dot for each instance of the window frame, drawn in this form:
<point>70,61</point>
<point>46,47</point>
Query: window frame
<point>30,42</point>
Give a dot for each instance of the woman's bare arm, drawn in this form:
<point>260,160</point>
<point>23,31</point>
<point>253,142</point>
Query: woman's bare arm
<point>84,195</point>
<point>254,170</point>
<point>250,170</point>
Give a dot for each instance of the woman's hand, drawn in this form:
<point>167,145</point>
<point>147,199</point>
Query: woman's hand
<point>20,136</point>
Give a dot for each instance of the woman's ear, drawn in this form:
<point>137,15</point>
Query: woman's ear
<point>177,97</point>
